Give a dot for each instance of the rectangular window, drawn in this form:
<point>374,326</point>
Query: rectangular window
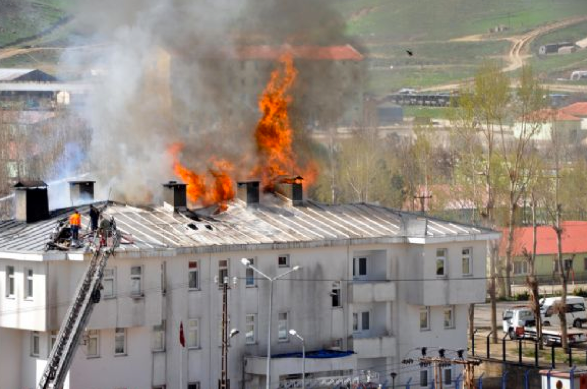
<point>52,340</point>
<point>163,277</point>
<point>222,271</point>
<point>568,264</point>
<point>120,341</point>
<point>423,377</point>
<point>250,274</point>
<point>335,294</point>
<point>447,376</point>
<point>466,262</point>
<point>193,333</point>
<point>193,281</point>
<point>360,268</point>
<point>159,337</point>
<point>441,262</point>
<point>521,267</point>
<point>282,326</point>
<point>365,321</point>
<point>449,317</point>
<point>250,328</point>
<point>194,385</point>
<point>9,281</point>
<point>361,321</point>
<point>35,343</point>
<point>28,284</point>
<point>108,283</point>
<point>93,344</point>
<point>283,260</point>
<point>424,318</point>
<point>136,280</point>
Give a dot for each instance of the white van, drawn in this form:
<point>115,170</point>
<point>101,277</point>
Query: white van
<point>576,314</point>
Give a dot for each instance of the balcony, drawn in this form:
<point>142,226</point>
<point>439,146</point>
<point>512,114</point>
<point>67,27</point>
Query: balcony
<point>293,365</point>
<point>371,291</point>
<point>375,347</point>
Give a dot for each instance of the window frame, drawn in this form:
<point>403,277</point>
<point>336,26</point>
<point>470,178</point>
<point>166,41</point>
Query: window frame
<point>357,274</point>
<point>250,281</point>
<point>336,295</point>
<point>111,278</point>
<point>140,292</point>
<point>10,282</point>
<point>35,346</point>
<point>193,333</point>
<point>93,335</point>
<point>287,262</point>
<point>194,385</point>
<point>222,269</point>
<point>252,323</point>
<point>359,322</point>
<point>196,270</point>
<point>425,310</point>
<point>444,376</point>
<point>441,258</point>
<point>469,258</point>
<point>451,324</point>
<point>424,377</point>
<point>279,324</point>
<point>117,335</point>
<point>522,267</point>
<point>158,333</point>
<point>29,288</point>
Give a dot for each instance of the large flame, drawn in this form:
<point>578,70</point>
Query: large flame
<point>215,187</point>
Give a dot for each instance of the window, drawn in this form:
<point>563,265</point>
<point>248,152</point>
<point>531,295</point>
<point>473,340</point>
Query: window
<point>449,317</point>
<point>360,268</point>
<point>193,281</point>
<point>424,318</point>
<point>335,294</point>
<point>568,264</point>
<point>222,271</point>
<point>250,321</point>
<point>250,274</point>
<point>28,284</point>
<point>193,333</point>
<point>163,277</point>
<point>423,377</point>
<point>194,385</point>
<point>282,326</point>
<point>521,267</point>
<point>93,344</point>
<point>52,340</point>
<point>441,262</point>
<point>466,262</point>
<point>159,337</point>
<point>447,376</point>
<point>120,341</point>
<point>136,280</point>
<point>35,344</point>
<point>585,263</point>
<point>9,281</point>
<point>361,321</point>
<point>283,260</point>
<point>108,283</point>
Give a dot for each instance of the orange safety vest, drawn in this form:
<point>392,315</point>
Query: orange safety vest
<point>75,219</point>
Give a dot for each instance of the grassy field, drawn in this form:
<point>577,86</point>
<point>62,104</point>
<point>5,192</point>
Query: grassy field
<point>570,34</point>
<point>559,65</point>
<point>21,19</point>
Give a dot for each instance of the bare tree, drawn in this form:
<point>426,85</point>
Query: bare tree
<point>531,279</point>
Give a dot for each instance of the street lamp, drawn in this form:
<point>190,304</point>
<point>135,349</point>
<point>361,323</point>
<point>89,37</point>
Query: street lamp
<point>248,264</point>
<point>393,375</point>
<point>293,332</point>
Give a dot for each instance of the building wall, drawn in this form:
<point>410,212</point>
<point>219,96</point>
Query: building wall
<point>10,357</point>
<point>545,267</point>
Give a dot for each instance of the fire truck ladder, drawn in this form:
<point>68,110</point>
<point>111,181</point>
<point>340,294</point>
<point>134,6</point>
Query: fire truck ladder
<point>78,315</point>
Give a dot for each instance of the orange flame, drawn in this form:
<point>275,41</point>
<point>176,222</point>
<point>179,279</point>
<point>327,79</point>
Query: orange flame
<point>199,188</point>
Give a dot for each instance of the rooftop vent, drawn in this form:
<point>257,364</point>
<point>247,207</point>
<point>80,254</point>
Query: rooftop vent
<point>248,191</point>
<point>291,187</point>
<point>31,201</point>
<point>81,192</point>
<point>175,195</point>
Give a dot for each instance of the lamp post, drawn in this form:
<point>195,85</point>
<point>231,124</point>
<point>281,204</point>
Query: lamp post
<point>393,375</point>
<point>293,332</point>
<point>248,264</point>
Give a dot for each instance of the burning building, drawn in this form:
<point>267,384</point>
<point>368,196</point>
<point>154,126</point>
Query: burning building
<point>349,300</point>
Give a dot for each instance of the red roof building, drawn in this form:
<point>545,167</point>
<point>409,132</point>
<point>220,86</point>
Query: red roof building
<point>573,239</point>
<point>576,109</point>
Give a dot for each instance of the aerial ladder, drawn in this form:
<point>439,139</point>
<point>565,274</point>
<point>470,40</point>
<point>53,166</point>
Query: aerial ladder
<point>79,312</point>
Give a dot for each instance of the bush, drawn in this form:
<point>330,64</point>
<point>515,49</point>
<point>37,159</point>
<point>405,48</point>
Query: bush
<point>522,296</point>
<point>580,292</point>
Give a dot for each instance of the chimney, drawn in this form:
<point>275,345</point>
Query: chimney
<point>174,196</point>
<point>248,191</point>
<point>291,187</point>
<point>31,201</point>
<point>81,192</point>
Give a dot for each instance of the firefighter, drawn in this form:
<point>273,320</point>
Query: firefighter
<point>75,222</point>
<point>94,217</point>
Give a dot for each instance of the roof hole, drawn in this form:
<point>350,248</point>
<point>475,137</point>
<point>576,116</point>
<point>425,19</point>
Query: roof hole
<point>208,226</point>
<point>192,226</point>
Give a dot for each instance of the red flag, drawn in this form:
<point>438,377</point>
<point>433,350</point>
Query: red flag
<point>181,337</point>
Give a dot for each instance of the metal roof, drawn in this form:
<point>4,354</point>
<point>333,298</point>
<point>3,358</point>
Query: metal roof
<point>245,228</point>
<point>10,74</point>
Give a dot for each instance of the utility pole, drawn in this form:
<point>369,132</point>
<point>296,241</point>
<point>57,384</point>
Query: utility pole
<point>422,199</point>
<point>441,361</point>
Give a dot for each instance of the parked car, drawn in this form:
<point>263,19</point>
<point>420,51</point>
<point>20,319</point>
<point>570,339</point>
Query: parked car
<point>575,311</point>
<point>519,323</point>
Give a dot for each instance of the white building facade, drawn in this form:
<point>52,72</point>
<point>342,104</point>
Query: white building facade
<point>377,282</point>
